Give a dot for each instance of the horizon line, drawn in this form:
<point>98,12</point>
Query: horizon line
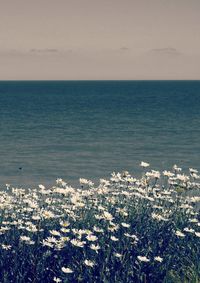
<point>88,80</point>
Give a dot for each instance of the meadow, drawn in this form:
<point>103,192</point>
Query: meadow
<point>124,229</point>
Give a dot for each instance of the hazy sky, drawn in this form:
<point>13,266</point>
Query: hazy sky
<point>99,39</point>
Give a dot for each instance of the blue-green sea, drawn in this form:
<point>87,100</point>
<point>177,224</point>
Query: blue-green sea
<point>73,129</point>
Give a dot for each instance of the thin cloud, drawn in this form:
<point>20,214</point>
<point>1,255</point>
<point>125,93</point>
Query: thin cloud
<point>124,48</point>
<point>170,51</point>
<point>46,50</point>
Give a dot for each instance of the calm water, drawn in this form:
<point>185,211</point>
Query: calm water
<point>89,129</point>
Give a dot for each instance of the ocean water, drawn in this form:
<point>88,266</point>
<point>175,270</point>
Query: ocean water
<point>73,129</point>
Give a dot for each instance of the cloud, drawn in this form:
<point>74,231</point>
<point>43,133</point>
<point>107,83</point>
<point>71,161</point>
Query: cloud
<point>46,50</point>
<point>124,48</point>
<point>10,52</point>
<point>167,51</point>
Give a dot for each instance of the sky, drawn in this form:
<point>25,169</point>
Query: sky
<point>99,39</point>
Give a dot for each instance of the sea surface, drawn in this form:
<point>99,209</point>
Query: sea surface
<point>73,129</point>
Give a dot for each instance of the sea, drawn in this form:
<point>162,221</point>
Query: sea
<point>88,129</point>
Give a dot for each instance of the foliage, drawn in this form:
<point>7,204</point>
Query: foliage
<point>123,230</point>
